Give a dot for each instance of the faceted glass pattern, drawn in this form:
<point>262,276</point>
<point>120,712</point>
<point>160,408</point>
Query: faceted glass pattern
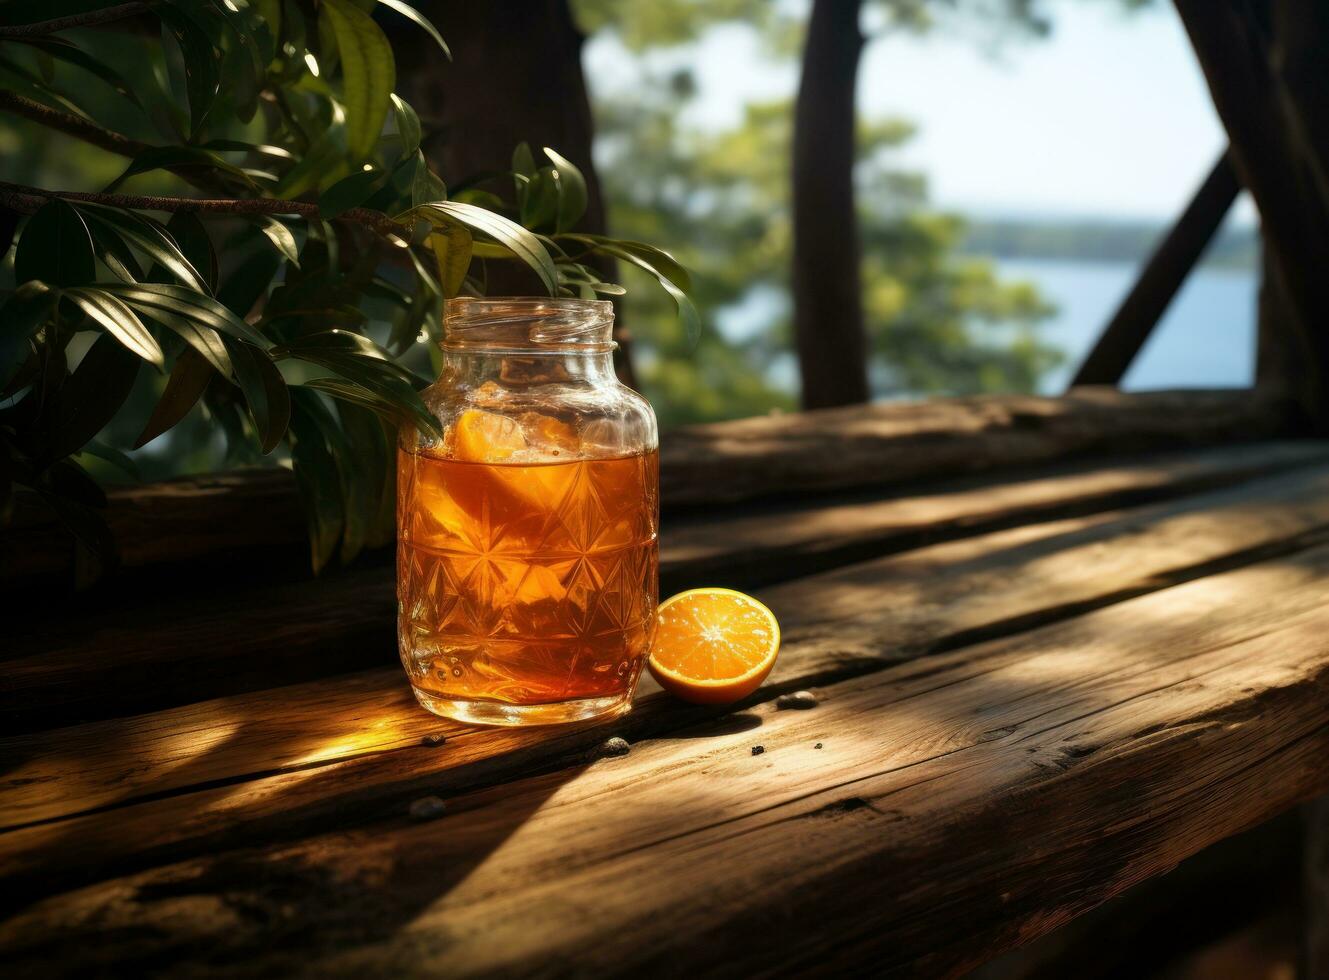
<point>526,584</point>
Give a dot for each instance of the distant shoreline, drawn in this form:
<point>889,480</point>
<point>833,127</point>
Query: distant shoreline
<point>1099,241</point>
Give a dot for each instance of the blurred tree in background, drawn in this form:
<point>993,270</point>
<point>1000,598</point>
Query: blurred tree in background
<point>937,322</point>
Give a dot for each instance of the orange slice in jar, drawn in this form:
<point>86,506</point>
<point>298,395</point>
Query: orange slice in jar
<point>485,437</point>
<point>713,646</point>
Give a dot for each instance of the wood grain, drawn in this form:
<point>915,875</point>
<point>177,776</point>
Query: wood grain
<point>892,443</point>
<point>864,446</point>
<point>284,761</point>
<point>206,639</point>
<point>214,516</point>
<point>957,805</point>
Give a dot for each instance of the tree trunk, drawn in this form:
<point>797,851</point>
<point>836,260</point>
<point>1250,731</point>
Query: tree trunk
<point>828,305</point>
<point>1268,88</point>
<point>515,76</point>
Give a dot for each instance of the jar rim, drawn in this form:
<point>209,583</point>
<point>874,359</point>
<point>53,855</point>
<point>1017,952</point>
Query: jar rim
<point>528,324</point>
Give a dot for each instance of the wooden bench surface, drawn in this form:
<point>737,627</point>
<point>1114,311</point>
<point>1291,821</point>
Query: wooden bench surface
<point>1038,687</point>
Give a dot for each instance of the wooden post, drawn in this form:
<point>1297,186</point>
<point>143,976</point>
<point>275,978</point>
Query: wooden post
<point>828,303</point>
<point>1249,56</point>
<point>1160,279</point>
<point>515,76</point>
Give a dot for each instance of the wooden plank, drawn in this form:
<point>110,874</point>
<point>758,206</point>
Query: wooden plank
<point>892,443</point>
<point>871,445</point>
<point>215,515</point>
<point>1207,900</point>
<point>957,806</point>
<point>204,642</point>
<point>280,762</point>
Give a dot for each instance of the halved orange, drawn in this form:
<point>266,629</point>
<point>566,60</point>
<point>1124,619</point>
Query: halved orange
<point>713,646</point>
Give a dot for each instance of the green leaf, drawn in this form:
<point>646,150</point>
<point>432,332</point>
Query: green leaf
<point>115,253</point>
<point>282,238</point>
<point>118,320</point>
<point>21,316</point>
<point>323,163</point>
<point>512,236</point>
<point>539,205</point>
<point>189,379</point>
<point>251,280</point>
<point>90,397</point>
<point>353,474</point>
<point>368,73</point>
<point>452,249</point>
<point>202,338</point>
<point>572,196</point>
<point>654,260</point>
<point>270,11</point>
<point>409,12</point>
<point>523,162</point>
<point>111,455</point>
<point>358,359</point>
<point>58,47</point>
<point>373,440</point>
<point>149,296</point>
<point>26,83</point>
<point>153,240</point>
<point>243,65</point>
<point>408,126</point>
<point>180,158</point>
<point>55,247</point>
<point>342,341</point>
<point>347,391</point>
<point>264,389</point>
<point>673,278</point>
<point>195,245</point>
<point>200,63</point>
<point>349,192</point>
<point>240,146</point>
<point>427,299</point>
<point>320,487</point>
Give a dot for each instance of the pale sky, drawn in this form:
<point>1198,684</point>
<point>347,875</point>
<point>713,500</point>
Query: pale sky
<point>1108,117</point>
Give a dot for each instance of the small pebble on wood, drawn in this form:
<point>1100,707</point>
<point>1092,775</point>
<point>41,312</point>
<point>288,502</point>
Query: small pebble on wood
<point>433,741</point>
<point>758,749</point>
<point>798,701</point>
<point>615,746</point>
<point>427,808</point>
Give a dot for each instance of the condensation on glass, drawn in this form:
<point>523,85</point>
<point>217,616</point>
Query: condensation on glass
<point>527,553</point>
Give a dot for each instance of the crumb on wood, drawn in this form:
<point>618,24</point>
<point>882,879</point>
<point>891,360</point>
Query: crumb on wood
<point>433,740</point>
<point>615,746</point>
<point>758,749</point>
<point>817,746</point>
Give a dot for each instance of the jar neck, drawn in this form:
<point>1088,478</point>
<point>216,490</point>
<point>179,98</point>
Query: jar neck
<point>517,368</point>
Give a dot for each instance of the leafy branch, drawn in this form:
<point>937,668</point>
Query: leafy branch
<point>26,200</point>
<point>71,125</point>
<point>91,18</point>
<point>286,307</point>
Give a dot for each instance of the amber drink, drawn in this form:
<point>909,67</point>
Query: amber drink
<point>527,535</point>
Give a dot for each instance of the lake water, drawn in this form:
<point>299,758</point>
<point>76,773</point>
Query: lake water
<point>1205,339</point>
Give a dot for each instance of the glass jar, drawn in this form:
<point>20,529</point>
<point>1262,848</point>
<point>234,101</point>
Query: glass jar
<point>527,553</point>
